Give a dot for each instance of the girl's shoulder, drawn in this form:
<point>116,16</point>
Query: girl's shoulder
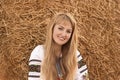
<point>38,52</point>
<point>78,55</point>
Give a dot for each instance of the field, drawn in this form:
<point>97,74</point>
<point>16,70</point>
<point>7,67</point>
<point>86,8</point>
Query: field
<point>23,25</point>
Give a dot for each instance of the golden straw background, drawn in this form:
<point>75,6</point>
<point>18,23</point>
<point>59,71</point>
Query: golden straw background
<point>23,26</point>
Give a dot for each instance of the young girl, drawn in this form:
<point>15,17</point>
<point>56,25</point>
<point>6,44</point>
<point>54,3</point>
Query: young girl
<point>58,58</point>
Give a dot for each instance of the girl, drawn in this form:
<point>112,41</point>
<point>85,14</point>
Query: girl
<point>58,58</point>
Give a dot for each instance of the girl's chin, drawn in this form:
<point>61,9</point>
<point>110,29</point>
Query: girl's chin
<point>61,44</point>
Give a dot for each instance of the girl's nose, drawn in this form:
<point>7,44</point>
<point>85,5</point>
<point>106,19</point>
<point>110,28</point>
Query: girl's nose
<point>64,33</point>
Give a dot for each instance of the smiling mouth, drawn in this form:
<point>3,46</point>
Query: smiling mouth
<point>62,39</point>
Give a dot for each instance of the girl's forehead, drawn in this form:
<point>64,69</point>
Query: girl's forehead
<point>65,24</point>
<point>63,21</point>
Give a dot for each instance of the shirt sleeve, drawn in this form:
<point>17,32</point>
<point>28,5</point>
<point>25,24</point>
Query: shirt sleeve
<point>82,70</point>
<point>35,61</point>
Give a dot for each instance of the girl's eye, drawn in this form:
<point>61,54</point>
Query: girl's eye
<point>60,28</point>
<point>68,31</point>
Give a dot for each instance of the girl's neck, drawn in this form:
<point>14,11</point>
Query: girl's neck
<point>58,50</point>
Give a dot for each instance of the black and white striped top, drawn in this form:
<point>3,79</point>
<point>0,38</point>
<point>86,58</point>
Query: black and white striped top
<point>35,62</point>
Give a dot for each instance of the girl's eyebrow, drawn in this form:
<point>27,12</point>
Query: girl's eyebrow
<point>63,27</point>
<point>60,26</point>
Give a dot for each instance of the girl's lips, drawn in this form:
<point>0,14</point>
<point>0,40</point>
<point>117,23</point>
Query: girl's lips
<point>61,38</point>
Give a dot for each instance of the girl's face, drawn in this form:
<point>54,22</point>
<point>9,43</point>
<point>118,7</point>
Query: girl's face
<point>62,32</point>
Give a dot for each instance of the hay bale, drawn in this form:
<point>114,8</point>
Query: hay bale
<point>23,26</point>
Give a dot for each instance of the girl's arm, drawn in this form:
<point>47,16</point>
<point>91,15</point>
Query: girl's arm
<point>35,63</point>
<point>82,71</point>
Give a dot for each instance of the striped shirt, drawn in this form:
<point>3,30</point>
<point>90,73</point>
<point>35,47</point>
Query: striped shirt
<point>35,62</point>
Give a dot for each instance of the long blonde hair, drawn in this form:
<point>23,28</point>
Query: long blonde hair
<point>69,59</point>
